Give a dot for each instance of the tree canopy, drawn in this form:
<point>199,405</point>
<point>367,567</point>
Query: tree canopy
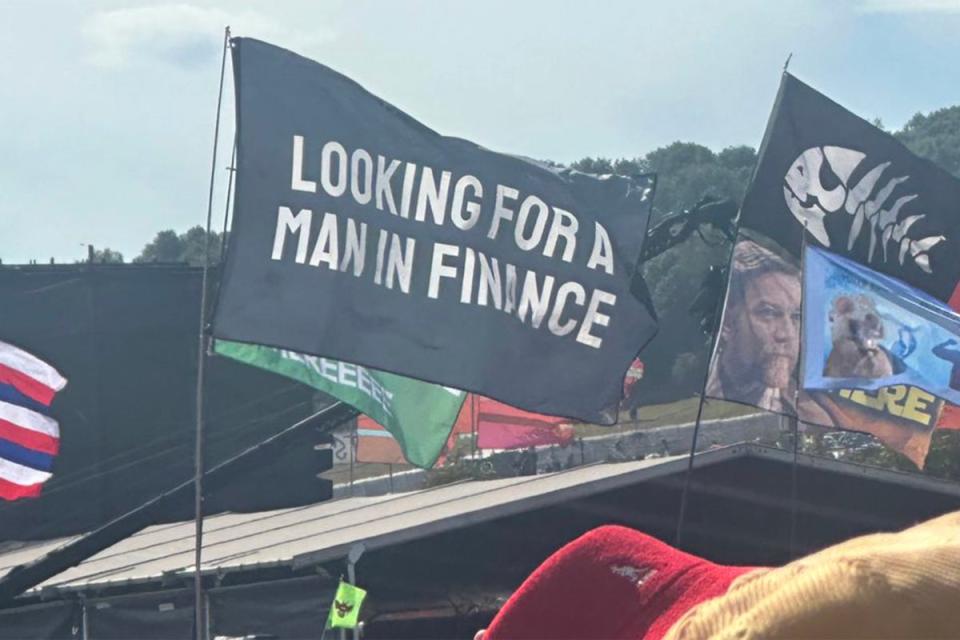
<point>935,136</point>
<point>107,256</point>
<point>686,172</point>
<point>189,247</point>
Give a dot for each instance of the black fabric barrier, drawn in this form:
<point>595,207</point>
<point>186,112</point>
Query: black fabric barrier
<point>151,616</point>
<point>125,336</point>
<point>57,621</point>
<point>284,609</point>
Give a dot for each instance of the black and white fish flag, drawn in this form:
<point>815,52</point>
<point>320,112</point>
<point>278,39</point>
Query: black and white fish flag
<point>361,234</point>
<point>857,190</point>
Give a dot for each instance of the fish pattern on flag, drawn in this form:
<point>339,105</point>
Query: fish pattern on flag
<point>29,438</point>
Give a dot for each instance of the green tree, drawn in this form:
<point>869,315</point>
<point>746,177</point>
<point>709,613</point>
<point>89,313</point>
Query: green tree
<point>189,247</point>
<point>165,247</point>
<point>935,136</point>
<point>107,256</point>
<point>598,166</point>
<point>686,172</point>
<point>195,249</point>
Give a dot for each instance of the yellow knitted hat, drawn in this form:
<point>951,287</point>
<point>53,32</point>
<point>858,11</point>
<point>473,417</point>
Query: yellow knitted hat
<point>887,585</point>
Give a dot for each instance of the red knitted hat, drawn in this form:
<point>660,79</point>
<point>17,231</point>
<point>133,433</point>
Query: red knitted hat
<point>610,583</point>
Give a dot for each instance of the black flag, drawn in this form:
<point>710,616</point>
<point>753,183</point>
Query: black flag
<point>858,191</point>
<point>362,235</point>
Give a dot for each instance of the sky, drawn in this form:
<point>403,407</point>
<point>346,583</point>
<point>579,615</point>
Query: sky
<point>107,108</point>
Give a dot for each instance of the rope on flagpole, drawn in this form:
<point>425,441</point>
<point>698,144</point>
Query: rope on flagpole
<point>199,608</point>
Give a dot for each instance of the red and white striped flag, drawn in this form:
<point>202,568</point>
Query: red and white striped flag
<point>29,438</point>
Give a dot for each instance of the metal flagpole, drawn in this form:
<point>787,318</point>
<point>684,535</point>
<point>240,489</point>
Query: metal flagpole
<point>684,495</point>
<point>198,603</point>
<point>354,436</point>
<point>796,418</point>
<point>474,425</point>
<point>793,484</point>
<point>716,335</point>
<point>693,446</point>
<point>800,364</point>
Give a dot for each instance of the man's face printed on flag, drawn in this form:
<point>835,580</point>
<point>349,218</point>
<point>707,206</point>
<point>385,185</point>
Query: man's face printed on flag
<point>760,341</point>
<point>766,329</point>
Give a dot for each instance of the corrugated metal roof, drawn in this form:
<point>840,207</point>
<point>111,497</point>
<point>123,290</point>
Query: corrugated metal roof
<point>30,551</point>
<point>315,533</point>
<point>325,531</point>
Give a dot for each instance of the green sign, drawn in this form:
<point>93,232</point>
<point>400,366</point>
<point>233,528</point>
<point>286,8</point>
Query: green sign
<point>418,414</point>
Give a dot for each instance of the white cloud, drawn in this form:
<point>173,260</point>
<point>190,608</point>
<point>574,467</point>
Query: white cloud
<point>181,35</point>
<point>909,6</point>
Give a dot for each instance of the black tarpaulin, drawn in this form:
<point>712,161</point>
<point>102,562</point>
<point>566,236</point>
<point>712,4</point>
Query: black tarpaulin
<point>125,336</point>
<point>149,616</point>
<point>283,609</point>
<point>57,621</point>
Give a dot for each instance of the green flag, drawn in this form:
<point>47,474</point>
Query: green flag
<point>418,414</point>
<point>346,607</point>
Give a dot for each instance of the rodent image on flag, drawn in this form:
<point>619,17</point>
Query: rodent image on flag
<point>362,235</point>
<point>866,330</point>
